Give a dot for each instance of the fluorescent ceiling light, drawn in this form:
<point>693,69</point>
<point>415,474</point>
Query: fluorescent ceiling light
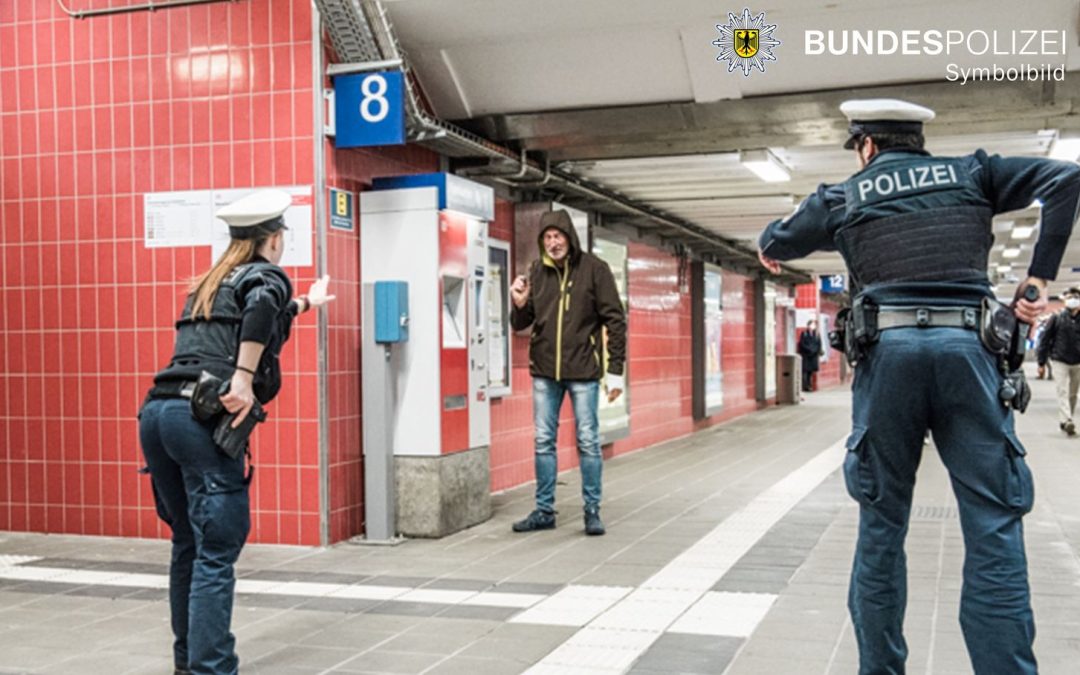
<point>1004,269</point>
<point>1011,253</point>
<point>1022,231</point>
<point>765,164</point>
<point>1067,149</point>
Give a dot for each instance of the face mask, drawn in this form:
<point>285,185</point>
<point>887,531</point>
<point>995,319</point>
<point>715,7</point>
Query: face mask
<point>1072,303</point>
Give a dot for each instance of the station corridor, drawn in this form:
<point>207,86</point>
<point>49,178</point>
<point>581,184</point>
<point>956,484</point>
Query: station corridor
<point>727,551</point>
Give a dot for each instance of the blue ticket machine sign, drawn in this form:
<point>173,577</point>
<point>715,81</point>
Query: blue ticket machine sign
<point>369,109</point>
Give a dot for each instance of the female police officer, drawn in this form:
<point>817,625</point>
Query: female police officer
<point>234,323</point>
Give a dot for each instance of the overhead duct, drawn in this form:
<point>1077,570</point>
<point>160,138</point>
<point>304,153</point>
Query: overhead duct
<point>361,33</point>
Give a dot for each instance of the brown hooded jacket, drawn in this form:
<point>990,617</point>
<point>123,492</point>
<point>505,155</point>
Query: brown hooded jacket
<point>567,309</point>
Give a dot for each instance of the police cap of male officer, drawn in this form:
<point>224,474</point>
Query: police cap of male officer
<point>915,232</point>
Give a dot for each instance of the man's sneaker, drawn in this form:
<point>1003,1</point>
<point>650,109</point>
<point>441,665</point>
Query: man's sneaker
<point>593,524</point>
<point>537,520</point>
<point>1069,428</point>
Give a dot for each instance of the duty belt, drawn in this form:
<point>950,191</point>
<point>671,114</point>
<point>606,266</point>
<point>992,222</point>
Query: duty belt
<point>177,389</point>
<point>927,317</point>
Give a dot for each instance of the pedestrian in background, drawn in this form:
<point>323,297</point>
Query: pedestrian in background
<point>810,350</point>
<point>1059,345</point>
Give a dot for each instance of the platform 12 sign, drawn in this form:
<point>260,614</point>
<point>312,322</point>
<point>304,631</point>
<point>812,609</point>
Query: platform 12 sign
<point>833,283</point>
<point>369,109</point>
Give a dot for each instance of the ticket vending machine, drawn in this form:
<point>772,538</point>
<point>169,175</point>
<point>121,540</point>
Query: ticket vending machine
<point>430,231</point>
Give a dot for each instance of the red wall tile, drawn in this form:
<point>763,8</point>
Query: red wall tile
<point>95,113</point>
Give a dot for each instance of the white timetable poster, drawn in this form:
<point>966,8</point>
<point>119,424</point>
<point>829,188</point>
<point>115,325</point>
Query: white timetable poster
<point>177,218</point>
<point>186,218</point>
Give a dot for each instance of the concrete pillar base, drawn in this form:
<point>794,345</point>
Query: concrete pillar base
<point>440,495</point>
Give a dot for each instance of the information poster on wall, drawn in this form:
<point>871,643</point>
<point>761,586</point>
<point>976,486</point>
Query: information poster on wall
<point>769,348</point>
<point>498,304</point>
<point>176,219</point>
<point>714,322</point>
<point>615,416</point>
<point>186,218</point>
<point>298,219</point>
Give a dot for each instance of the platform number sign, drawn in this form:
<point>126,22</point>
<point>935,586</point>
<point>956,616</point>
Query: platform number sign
<point>370,109</point>
<point>833,283</point>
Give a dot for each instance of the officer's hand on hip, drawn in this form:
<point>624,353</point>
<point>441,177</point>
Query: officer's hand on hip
<point>1028,311</point>
<point>768,263</point>
<point>519,291</point>
<point>240,397</point>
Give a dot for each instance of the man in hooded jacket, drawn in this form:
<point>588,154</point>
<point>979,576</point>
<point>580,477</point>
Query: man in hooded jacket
<point>568,297</point>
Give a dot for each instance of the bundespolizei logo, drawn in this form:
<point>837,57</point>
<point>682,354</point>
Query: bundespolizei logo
<point>746,42</point>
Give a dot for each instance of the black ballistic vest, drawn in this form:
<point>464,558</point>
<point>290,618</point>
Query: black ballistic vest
<point>915,218</point>
<point>212,344</point>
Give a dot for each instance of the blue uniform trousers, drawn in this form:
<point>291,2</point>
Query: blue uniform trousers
<point>201,493</point>
<point>944,380</point>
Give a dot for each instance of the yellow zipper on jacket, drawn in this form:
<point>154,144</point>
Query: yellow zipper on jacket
<point>558,328</point>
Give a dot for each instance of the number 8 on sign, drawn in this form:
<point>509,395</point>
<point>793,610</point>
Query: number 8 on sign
<point>369,109</point>
<point>374,90</point>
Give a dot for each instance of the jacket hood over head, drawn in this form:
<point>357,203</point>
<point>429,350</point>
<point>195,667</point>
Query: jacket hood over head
<point>559,220</point>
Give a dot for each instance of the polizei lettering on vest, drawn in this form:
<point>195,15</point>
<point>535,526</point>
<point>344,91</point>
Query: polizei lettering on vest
<point>912,178</point>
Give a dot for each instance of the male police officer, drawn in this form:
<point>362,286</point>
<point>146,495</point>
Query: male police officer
<point>915,233</point>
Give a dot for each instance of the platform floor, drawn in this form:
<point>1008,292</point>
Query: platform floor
<point>727,551</point>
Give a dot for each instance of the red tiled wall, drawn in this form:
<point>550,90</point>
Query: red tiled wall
<point>660,366</point>
<point>353,170</point>
<point>806,296</point>
<point>94,113</point>
<point>829,375</point>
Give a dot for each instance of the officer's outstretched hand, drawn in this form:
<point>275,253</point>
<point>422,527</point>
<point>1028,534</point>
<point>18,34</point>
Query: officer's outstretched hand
<point>768,263</point>
<point>240,397</point>
<point>316,295</point>
<point>1026,310</point>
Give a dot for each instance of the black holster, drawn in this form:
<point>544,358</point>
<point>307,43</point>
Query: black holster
<point>206,405</point>
<point>856,330</point>
<point>1005,336</point>
<point>998,328</point>
<point>206,397</point>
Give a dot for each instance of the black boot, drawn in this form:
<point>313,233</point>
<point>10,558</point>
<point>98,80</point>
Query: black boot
<point>593,524</point>
<point>537,520</point>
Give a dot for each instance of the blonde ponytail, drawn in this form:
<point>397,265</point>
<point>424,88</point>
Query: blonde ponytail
<point>205,286</point>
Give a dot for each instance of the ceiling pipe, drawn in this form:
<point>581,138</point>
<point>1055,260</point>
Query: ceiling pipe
<point>146,6</point>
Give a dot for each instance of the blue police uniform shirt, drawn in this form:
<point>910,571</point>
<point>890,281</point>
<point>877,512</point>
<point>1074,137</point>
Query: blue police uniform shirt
<point>910,181</point>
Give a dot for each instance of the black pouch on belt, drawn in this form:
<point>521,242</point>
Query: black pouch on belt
<point>838,334</point>
<point>206,397</point>
<point>998,328</point>
<point>233,441</point>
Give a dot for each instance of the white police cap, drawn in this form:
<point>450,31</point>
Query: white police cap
<point>256,215</point>
<point>883,115</point>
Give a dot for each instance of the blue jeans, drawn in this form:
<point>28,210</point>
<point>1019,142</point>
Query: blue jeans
<point>202,494</point>
<point>941,379</point>
<point>547,400</point>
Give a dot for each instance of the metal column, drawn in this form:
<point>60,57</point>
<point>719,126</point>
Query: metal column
<point>378,422</point>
